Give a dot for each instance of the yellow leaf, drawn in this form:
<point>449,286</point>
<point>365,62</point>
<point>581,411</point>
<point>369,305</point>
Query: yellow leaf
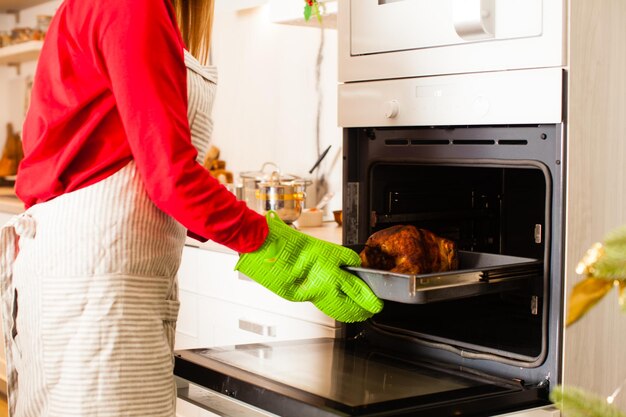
<point>585,295</point>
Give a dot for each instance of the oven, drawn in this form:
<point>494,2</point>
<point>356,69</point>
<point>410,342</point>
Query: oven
<point>472,149</point>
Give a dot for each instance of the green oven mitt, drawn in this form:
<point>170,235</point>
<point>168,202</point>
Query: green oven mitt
<point>299,267</point>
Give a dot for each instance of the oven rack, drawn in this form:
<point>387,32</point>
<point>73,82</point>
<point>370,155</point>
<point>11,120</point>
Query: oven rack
<point>479,273</point>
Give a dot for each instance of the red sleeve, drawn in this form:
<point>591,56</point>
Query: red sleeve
<point>141,53</point>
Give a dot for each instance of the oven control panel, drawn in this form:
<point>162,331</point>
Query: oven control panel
<point>506,97</point>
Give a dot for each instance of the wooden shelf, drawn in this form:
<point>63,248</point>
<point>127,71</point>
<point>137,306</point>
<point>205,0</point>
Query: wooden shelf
<point>15,5</point>
<point>21,52</point>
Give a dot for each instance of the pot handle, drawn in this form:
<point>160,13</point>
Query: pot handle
<point>266,164</point>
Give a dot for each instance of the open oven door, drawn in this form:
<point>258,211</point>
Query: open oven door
<point>331,377</point>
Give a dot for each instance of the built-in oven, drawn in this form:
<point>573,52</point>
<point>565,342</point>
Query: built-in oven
<point>455,126</point>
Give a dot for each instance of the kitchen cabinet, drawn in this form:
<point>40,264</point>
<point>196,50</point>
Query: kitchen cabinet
<point>220,306</point>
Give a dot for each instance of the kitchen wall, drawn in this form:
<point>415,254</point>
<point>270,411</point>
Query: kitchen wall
<point>267,103</point>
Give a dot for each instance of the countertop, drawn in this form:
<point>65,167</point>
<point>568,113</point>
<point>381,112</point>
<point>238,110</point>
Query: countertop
<point>329,230</point>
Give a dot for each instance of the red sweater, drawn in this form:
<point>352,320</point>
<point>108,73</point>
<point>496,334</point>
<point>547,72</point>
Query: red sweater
<point>110,87</point>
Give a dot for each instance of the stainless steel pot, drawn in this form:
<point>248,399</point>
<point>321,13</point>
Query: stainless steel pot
<point>286,198</point>
<point>251,181</point>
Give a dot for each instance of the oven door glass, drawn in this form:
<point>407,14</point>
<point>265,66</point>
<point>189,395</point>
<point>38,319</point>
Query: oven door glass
<point>329,377</point>
<point>394,25</point>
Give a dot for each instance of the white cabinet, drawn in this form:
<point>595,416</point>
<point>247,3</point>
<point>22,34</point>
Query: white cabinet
<point>219,306</point>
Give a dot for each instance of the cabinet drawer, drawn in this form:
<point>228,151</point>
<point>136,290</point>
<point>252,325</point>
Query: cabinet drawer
<point>242,290</point>
<point>237,324</point>
<point>213,274</point>
<point>206,321</point>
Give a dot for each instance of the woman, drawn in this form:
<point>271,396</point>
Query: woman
<point>112,184</point>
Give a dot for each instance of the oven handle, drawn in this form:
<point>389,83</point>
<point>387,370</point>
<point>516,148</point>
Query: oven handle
<point>474,19</point>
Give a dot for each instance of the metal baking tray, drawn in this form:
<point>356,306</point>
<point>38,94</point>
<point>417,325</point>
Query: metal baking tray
<point>479,273</point>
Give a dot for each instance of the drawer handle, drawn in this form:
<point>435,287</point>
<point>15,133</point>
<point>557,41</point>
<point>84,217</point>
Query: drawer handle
<point>257,328</point>
<point>474,19</point>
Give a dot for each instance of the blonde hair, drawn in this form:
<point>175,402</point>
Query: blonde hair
<point>195,20</point>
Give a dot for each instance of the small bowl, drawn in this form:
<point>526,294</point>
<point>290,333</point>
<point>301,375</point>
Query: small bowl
<point>338,216</point>
<point>311,218</point>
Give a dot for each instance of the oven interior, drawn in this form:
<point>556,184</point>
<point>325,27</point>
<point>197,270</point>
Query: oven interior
<point>492,190</point>
<point>495,210</point>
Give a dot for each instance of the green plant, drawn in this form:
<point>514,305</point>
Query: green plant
<point>312,7</point>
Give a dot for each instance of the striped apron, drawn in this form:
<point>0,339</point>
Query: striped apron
<point>89,293</point>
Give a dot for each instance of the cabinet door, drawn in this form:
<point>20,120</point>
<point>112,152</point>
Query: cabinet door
<point>206,322</point>
<point>221,307</point>
<point>235,324</point>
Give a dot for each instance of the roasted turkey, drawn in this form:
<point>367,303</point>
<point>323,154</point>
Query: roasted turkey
<point>409,250</point>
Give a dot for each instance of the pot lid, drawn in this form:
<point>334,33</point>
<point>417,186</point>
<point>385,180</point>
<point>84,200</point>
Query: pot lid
<point>267,171</point>
<point>276,179</point>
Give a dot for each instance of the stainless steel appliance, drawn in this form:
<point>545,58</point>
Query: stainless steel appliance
<point>437,135</point>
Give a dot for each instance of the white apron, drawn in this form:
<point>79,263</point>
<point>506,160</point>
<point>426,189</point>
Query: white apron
<point>89,293</point>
